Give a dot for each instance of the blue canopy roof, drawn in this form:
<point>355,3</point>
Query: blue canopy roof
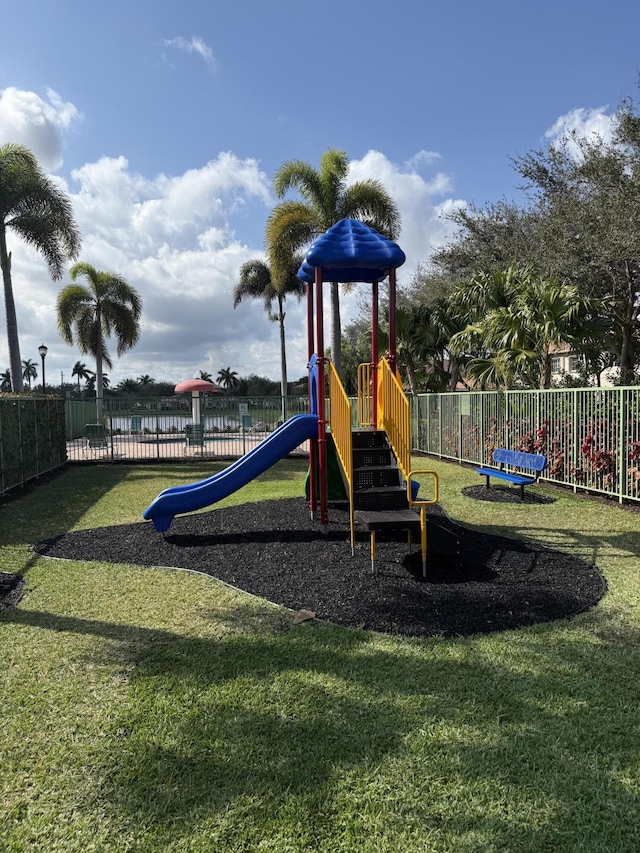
<point>351,251</point>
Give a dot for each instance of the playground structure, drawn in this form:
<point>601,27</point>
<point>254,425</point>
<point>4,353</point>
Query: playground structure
<point>372,444</point>
<point>374,452</point>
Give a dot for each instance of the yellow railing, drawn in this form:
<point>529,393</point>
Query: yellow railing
<point>393,415</point>
<point>340,421</point>
<point>364,395</point>
<point>422,504</point>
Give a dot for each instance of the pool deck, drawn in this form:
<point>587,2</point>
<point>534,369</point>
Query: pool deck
<point>122,447</point>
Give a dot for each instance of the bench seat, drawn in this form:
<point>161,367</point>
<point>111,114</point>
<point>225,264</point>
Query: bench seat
<point>533,462</point>
<point>517,479</point>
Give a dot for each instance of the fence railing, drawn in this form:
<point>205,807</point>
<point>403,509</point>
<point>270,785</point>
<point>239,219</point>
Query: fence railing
<point>153,428</point>
<point>591,436</point>
<point>32,439</point>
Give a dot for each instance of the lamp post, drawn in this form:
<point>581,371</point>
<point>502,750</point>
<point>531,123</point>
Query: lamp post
<point>42,349</point>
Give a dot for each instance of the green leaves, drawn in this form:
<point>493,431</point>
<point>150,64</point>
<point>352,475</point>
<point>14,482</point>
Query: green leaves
<point>517,317</point>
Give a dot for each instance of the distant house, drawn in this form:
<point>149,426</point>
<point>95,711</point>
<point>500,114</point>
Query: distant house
<point>566,362</point>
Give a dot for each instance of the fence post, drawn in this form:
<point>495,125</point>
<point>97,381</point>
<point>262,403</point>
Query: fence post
<point>622,448</point>
<point>481,458</point>
<point>575,439</point>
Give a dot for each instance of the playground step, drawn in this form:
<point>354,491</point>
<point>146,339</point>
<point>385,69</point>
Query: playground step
<point>366,457</point>
<point>369,438</point>
<point>381,498</point>
<point>440,540</point>
<point>388,520</point>
<point>376,475</point>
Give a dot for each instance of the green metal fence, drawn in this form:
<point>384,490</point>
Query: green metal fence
<point>156,428</point>
<point>32,439</point>
<point>591,436</point>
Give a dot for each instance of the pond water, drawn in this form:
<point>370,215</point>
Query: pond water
<point>172,423</point>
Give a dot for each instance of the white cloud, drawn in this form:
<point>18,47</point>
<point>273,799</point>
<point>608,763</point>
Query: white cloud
<point>193,45</point>
<point>423,228</point>
<point>421,159</point>
<point>177,239</point>
<point>27,119</point>
<point>582,123</point>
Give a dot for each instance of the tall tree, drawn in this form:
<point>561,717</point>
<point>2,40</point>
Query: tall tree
<point>228,379</point>
<point>516,318</point>
<point>91,381</point>
<point>39,212</point>
<point>257,282</point>
<point>29,371</point>
<point>127,386</point>
<point>81,371</point>
<point>106,305</point>
<point>495,236</point>
<point>579,224</point>
<point>587,189</point>
<point>326,199</point>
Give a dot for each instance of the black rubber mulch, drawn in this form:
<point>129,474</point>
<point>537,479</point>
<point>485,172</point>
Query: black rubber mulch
<point>475,584</point>
<point>11,589</point>
<point>506,494</point>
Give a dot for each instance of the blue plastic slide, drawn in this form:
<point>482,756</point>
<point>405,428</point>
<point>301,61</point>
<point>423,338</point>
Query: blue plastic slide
<point>180,499</point>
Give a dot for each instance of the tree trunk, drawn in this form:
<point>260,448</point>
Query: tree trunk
<point>411,377</point>
<point>99,378</point>
<point>336,329</point>
<point>626,356</point>
<point>283,361</point>
<point>454,373</point>
<point>544,380</point>
<point>628,325</point>
<point>15,362</point>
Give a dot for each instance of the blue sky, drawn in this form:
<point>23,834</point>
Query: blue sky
<point>165,121</point>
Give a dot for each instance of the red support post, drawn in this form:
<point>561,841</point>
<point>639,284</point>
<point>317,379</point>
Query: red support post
<point>313,444</point>
<point>375,355</point>
<point>392,320</point>
<point>322,423</point>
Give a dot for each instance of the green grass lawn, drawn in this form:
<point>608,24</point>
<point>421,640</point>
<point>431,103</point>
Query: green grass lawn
<point>156,710</point>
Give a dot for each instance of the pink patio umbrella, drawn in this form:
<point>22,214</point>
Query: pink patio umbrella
<point>196,386</point>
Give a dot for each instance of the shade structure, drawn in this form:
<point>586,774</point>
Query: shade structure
<point>351,251</point>
<point>195,387</point>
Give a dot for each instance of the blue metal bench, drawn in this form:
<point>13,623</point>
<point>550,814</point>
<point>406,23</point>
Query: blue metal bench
<point>528,467</point>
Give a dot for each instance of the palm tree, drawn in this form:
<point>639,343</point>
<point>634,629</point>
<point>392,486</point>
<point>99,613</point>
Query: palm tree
<point>106,304</point>
<point>5,381</point>
<point>326,199</point>
<point>29,371</point>
<point>256,282</point>
<point>228,379</point>
<point>206,376</point>
<point>80,370</point>
<point>41,215</point>
<point>91,381</point>
<point>146,380</point>
<point>127,386</point>
<point>517,318</point>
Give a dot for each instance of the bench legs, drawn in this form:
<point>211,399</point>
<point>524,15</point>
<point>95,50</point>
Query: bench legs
<point>522,485</point>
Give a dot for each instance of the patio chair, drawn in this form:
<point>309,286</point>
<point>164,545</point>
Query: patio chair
<point>194,436</point>
<point>96,440</point>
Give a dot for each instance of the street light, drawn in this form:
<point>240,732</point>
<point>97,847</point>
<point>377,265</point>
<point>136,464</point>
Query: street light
<point>42,349</point>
